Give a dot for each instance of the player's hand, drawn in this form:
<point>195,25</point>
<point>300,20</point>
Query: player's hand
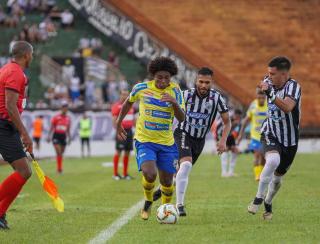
<point>27,142</point>
<point>221,147</point>
<point>168,98</point>
<point>121,133</point>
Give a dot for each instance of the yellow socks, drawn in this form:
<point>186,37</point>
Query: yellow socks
<point>148,189</point>
<point>257,171</point>
<point>166,193</point>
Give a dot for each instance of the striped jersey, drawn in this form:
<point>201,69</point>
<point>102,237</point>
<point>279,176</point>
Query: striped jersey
<point>284,127</point>
<point>201,112</point>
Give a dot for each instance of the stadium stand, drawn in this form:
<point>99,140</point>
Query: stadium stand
<point>239,41</point>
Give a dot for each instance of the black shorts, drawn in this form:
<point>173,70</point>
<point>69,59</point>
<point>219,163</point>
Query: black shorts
<point>11,147</point>
<point>36,139</point>
<point>59,139</point>
<point>85,140</point>
<point>126,145</point>
<point>231,142</point>
<point>287,154</point>
<point>187,145</point>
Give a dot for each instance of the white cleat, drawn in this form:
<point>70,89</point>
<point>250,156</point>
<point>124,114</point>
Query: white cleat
<point>267,215</point>
<point>253,208</point>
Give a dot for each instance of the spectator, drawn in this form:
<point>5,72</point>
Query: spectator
<point>105,92</point>
<point>66,18</point>
<point>74,88</point>
<point>41,104</point>
<point>61,91</point>
<point>113,59</point>
<point>68,70</point>
<point>3,17</point>
<point>90,92</point>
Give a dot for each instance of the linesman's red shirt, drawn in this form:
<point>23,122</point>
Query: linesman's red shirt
<point>61,123</point>
<point>128,121</point>
<point>12,77</point>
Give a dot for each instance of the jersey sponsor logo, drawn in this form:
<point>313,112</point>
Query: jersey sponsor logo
<point>261,114</point>
<point>155,126</point>
<point>197,125</point>
<point>158,114</point>
<point>156,102</point>
<point>198,115</point>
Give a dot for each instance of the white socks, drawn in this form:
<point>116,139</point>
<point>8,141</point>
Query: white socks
<point>224,164</point>
<point>182,181</point>
<point>225,161</point>
<point>273,188</point>
<point>232,164</point>
<point>272,162</point>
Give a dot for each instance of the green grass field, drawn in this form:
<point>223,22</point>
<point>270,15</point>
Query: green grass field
<point>216,207</point>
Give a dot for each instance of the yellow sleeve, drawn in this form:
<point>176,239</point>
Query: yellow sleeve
<point>250,111</point>
<point>134,94</point>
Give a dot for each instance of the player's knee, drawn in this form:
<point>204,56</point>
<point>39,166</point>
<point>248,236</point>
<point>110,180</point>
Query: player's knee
<point>273,160</point>
<point>25,173</point>
<point>150,176</point>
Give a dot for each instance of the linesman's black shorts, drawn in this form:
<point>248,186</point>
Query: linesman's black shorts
<point>126,145</point>
<point>287,154</point>
<point>187,145</point>
<point>11,147</point>
<point>59,139</point>
<point>231,142</point>
<point>36,139</point>
<point>85,140</point>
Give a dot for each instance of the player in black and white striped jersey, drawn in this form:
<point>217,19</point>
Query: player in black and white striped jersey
<point>279,132</point>
<point>202,106</point>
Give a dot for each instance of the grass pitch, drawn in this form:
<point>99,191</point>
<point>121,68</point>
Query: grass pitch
<point>216,207</point>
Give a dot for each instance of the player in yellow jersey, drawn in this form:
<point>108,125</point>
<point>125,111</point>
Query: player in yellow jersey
<point>256,114</point>
<point>160,100</point>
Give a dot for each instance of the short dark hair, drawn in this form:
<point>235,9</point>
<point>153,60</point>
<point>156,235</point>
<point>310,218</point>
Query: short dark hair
<point>238,111</point>
<point>205,71</point>
<point>281,63</point>
<point>162,64</point>
<point>20,48</point>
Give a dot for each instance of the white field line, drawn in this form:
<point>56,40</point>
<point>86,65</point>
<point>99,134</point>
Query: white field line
<point>109,232</point>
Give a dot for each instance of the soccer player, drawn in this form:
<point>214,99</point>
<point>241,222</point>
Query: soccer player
<point>256,114</point>
<point>123,145</point>
<point>229,157</point>
<point>37,130</point>
<point>13,135</point>
<point>202,105</point>
<point>60,128</point>
<point>85,133</point>
<point>279,132</point>
<point>160,100</point>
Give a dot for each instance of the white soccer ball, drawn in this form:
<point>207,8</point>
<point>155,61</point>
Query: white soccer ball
<point>167,214</point>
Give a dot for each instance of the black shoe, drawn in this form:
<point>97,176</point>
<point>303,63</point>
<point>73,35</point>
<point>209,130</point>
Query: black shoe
<point>181,210</point>
<point>3,222</point>
<point>258,201</point>
<point>157,195</point>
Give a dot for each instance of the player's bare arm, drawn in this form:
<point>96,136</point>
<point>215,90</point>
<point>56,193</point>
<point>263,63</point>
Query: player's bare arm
<point>11,105</point>
<point>121,133</point>
<point>286,104</point>
<point>244,124</point>
<point>178,111</point>
<point>221,146</point>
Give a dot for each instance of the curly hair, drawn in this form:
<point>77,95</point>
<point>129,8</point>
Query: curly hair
<point>162,64</point>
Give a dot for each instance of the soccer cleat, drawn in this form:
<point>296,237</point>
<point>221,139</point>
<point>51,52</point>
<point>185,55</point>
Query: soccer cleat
<point>3,222</point>
<point>181,211</point>
<point>146,210</point>
<point>157,195</point>
<point>254,206</point>
<point>267,215</point>
<point>116,177</point>
<point>224,175</point>
<point>127,177</point>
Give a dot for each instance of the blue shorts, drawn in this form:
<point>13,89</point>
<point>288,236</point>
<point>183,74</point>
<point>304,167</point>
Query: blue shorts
<point>166,157</point>
<point>255,145</point>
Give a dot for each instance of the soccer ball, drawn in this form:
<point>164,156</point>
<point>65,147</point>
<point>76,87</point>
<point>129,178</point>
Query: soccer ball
<point>167,214</point>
